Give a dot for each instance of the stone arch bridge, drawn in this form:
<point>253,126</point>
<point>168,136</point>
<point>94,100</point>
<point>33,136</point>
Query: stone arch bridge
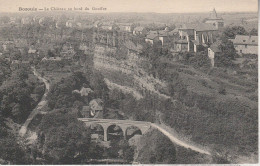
<point>143,126</point>
<point>123,124</point>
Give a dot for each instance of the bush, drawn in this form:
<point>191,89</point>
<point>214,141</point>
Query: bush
<point>156,149</point>
<point>222,90</point>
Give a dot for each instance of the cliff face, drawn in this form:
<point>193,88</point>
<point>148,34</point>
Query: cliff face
<point>126,74</point>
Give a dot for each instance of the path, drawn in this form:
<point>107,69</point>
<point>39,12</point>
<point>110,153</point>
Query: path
<point>42,103</point>
<point>178,141</point>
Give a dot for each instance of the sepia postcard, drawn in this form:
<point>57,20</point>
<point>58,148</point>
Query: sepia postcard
<point>97,82</point>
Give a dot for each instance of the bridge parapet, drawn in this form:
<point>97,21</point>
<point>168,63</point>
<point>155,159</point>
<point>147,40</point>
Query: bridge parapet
<point>113,121</point>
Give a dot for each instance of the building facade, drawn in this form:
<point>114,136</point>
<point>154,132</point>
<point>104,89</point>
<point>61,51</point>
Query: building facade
<point>195,37</point>
<point>213,51</point>
<point>246,44</point>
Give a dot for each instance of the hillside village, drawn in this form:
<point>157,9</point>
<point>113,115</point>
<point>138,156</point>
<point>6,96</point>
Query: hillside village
<point>187,37</point>
<point>82,88</point>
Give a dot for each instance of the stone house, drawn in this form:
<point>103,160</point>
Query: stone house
<point>164,37</point>
<point>152,37</point>
<point>182,45</point>
<point>213,51</point>
<point>140,31</point>
<point>96,108</point>
<point>196,37</point>
<point>108,26</point>
<point>245,44</point>
<point>127,27</point>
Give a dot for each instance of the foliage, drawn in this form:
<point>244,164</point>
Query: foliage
<point>121,149</point>
<point>254,32</point>
<point>11,151</point>
<point>155,148</point>
<point>61,96</point>
<point>67,141</point>
<point>200,60</point>
<point>15,96</point>
<point>222,90</point>
<point>231,32</point>
<point>5,70</point>
<point>228,53</point>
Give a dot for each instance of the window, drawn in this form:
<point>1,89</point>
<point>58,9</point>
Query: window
<point>244,40</point>
<point>253,40</point>
<point>240,51</point>
<point>246,46</point>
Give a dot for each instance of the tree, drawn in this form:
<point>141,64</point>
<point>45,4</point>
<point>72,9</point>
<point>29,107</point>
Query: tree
<point>156,149</point>
<point>4,19</point>
<point>228,53</point>
<point>254,32</point>
<point>12,152</point>
<point>128,151</point>
<point>200,60</point>
<point>231,32</point>
<point>50,54</point>
<point>222,90</point>
<point>67,141</point>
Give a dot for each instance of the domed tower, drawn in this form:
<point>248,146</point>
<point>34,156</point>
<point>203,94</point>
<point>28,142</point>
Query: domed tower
<point>215,20</point>
<point>213,14</point>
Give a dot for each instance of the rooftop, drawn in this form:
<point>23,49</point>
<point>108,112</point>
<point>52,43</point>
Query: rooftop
<point>215,47</point>
<point>152,35</point>
<point>244,39</point>
<point>182,41</point>
<point>139,28</point>
<point>199,26</point>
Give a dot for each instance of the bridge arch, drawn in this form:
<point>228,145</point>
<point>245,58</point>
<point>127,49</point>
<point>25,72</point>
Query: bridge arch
<point>98,129</point>
<point>114,131</point>
<point>132,131</point>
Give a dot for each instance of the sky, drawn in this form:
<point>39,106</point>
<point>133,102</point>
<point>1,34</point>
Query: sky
<point>158,6</point>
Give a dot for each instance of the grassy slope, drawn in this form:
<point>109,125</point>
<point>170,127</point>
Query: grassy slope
<point>226,122</point>
<point>154,145</point>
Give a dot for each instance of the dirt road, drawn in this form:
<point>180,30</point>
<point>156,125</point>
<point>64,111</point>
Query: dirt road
<point>42,103</point>
<point>177,141</point>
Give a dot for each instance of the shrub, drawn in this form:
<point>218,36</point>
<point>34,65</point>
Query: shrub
<point>222,90</point>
